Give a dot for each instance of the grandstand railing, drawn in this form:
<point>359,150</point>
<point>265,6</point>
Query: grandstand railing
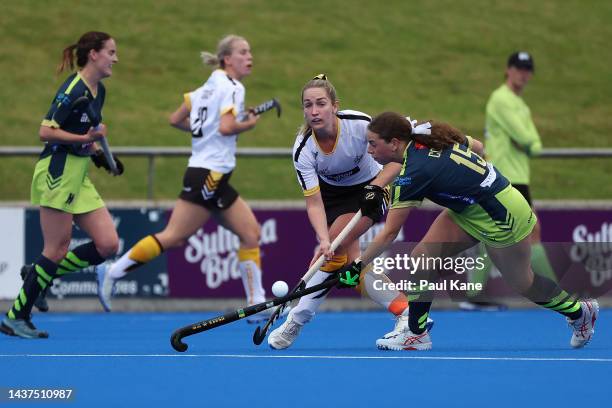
<point>276,152</point>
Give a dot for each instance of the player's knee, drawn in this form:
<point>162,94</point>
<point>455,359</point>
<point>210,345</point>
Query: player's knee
<point>57,250</point>
<point>250,238</point>
<point>55,254</point>
<point>108,247</point>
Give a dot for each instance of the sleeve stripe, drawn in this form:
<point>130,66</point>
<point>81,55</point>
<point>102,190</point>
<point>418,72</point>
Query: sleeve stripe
<point>228,109</point>
<point>187,100</point>
<point>50,123</point>
<point>301,146</point>
<point>75,81</point>
<point>311,191</point>
<point>301,178</point>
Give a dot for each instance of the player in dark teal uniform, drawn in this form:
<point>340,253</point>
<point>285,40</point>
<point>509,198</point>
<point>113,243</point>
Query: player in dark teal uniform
<point>443,165</point>
<point>60,185</point>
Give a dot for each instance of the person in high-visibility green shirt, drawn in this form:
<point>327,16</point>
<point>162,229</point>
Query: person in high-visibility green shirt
<point>511,139</point>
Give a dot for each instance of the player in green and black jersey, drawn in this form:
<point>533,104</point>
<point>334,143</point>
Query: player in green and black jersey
<point>60,185</point>
<point>443,165</point>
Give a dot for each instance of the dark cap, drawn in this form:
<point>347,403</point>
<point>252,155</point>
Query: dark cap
<point>521,60</point>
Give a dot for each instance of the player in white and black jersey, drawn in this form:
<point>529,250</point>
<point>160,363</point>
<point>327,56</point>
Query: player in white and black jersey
<point>211,114</point>
<point>338,178</point>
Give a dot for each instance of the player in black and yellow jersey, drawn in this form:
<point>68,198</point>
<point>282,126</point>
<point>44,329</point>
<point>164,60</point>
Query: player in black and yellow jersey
<point>60,185</point>
<point>338,178</point>
<point>443,165</point>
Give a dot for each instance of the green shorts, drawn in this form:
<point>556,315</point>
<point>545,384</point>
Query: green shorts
<point>500,221</point>
<point>60,181</point>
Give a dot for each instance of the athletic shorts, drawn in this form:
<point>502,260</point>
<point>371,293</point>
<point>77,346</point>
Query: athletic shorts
<point>60,181</point>
<point>208,188</point>
<point>339,200</point>
<point>501,221</point>
<point>524,190</point>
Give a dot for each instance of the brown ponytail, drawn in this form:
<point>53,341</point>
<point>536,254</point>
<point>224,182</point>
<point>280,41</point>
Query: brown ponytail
<point>389,125</point>
<point>67,58</point>
<point>92,40</point>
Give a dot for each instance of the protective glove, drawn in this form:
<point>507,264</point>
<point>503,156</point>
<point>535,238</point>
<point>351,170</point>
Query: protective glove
<point>349,277</point>
<point>373,202</point>
<point>99,160</point>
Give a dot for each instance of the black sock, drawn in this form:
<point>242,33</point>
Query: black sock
<point>44,272</point>
<point>546,293</point>
<point>79,258</point>
<point>417,318</point>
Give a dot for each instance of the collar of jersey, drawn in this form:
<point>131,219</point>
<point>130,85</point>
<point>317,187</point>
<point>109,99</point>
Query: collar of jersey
<point>94,94</point>
<point>335,143</point>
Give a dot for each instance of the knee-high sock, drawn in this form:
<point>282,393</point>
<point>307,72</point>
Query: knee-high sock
<point>308,305</point>
<point>420,301</point>
<point>79,258</point>
<point>420,304</point>
<point>540,263</point>
<point>144,251</point>
<point>392,300</point>
<point>43,274</point>
<point>249,263</point>
<point>546,293</point>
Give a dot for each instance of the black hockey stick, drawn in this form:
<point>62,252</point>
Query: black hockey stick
<point>260,333</point>
<point>179,334</point>
<point>264,107</point>
<point>83,103</point>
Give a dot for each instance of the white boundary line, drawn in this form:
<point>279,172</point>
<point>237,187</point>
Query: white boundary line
<point>314,357</point>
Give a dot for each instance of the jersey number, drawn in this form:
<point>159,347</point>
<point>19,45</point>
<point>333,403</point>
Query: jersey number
<point>466,157</point>
<point>197,124</point>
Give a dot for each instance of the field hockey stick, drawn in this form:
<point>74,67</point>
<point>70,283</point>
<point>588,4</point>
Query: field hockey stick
<point>262,108</point>
<point>260,333</point>
<point>83,102</point>
<point>204,325</point>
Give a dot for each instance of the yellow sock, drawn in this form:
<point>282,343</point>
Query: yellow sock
<point>146,249</point>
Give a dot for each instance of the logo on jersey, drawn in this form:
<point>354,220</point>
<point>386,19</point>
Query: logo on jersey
<point>62,98</point>
<point>468,200</point>
<point>402,181</point>
<point>84,118</point>
<point>341,176</point>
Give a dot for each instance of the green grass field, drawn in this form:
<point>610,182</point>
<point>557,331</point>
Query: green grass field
<point>429,59</point>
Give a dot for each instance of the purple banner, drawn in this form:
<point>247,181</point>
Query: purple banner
<point>207,265</point>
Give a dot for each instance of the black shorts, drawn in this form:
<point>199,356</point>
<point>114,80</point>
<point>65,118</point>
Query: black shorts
<point>208,188</point>
<point>339,200</point>
<point>524,190</point>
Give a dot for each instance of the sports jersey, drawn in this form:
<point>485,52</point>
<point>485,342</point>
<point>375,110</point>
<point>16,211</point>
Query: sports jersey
<point>347,164</point>
<point>454,177</point>
<point>61,115</point>
<point>508,119</point>
<point>219,95</point>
